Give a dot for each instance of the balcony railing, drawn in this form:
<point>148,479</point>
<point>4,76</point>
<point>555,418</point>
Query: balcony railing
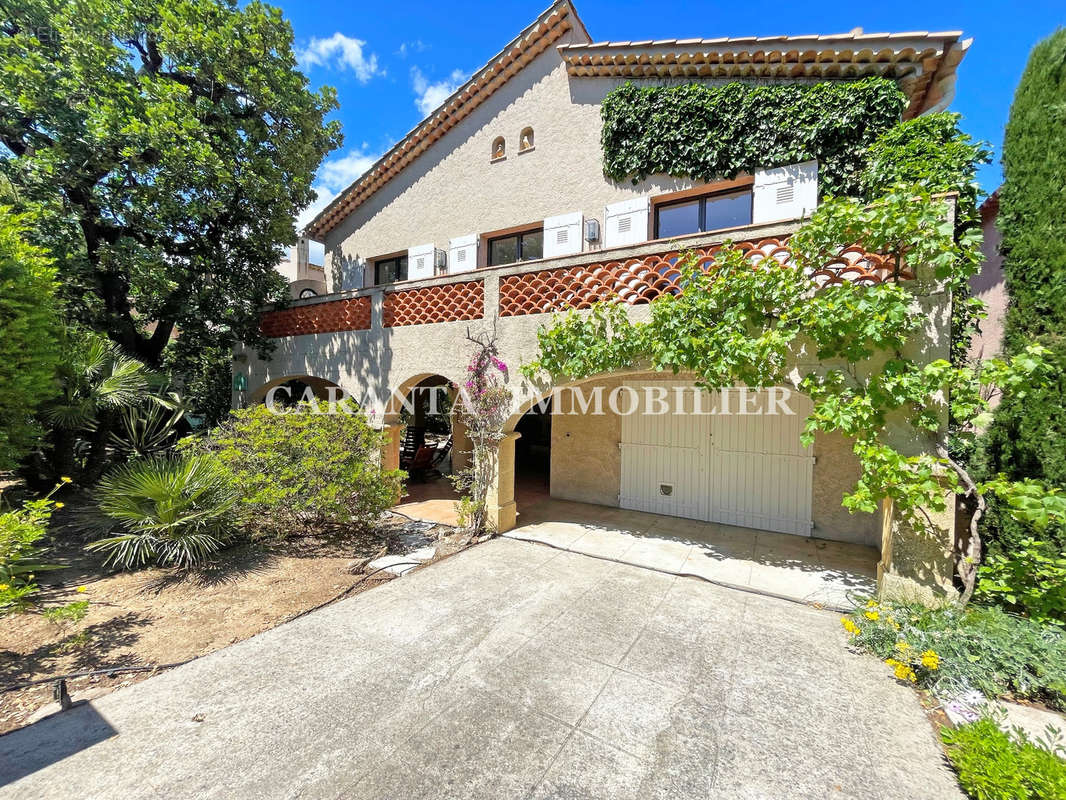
<point>635,275</point>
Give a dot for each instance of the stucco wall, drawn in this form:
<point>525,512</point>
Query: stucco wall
<point>990,287</point>
<point>586,462</point>
<point>452,190</point>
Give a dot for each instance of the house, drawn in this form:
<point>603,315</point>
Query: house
<point>304,278</point>
<point>494,213</point>
<point>989,286</point>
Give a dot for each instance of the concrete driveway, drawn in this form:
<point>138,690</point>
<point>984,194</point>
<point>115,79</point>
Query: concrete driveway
<point>509,670</point>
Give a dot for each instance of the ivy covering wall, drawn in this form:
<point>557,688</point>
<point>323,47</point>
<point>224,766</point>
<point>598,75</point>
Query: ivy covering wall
<point>715,132</point>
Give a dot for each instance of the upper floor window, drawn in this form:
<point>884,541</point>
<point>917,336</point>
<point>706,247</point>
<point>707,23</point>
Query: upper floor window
<point>527,246</point>
<point>709,212</point>
<point>390,270</point>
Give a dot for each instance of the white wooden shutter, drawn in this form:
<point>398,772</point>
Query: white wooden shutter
<point>785,192</point>
<point>626,222</point>
<point>562,235</point>
<point>462,254</point>
<point>420,262</point>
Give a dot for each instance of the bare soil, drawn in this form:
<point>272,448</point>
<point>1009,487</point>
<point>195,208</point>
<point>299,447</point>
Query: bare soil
<point>157,617</point>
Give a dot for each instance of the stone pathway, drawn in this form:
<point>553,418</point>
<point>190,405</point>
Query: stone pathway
<point>510,670</point>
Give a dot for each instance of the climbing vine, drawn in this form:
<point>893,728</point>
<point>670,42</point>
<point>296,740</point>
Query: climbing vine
<point>714,132</point>
<point>875,382</point>
<point>483,407</point>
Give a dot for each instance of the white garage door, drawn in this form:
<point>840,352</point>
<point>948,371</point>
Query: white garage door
<point>739,469</point>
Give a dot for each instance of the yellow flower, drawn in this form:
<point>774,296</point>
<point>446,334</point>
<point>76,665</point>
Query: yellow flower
<point>849,626</point>
<point>903,647</point>
<point>4,587</point>
<point>930,660</point>
<point>65,479</point>
<point>872,615</point>
<point>901,671</point>
<point>59,505</point>
<point>81,589</point>
<point>871,604</point>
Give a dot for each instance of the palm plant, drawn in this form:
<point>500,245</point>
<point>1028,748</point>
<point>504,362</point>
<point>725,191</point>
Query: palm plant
<point>107,405</point>
<point>149,428</point>
<point>167,512</point>
<point>95,375</point>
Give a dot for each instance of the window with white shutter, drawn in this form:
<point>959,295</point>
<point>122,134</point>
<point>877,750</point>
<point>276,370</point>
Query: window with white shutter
<point>626,222</point>
<point>562,234</point>
<point>785,193</point>
<point>462,253</point>
<point>420,261</point>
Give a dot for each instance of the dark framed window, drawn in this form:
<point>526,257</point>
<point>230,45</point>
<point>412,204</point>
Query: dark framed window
<point>390,270</point>
<point>710,212</point>
<point>528,246</point>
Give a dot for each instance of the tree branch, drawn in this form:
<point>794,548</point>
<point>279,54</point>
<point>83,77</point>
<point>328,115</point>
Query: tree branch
<point>967,561</point>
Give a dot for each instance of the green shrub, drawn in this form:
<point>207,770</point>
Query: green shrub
<point>28,338</point>
<point>994,765</point>
<point>168,512</point>
<point>1030,580</point>
<point>304,470</point>
<point>20,554</point>
<point>1028,436</point>
<point>981,648</point>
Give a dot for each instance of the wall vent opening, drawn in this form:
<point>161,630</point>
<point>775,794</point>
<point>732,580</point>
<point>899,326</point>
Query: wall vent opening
<point>785,194</point>
<point>461,255</point>
<point>625,224</point>
<point>562,236</point>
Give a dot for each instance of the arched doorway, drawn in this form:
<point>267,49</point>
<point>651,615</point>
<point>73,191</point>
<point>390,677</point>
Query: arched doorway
<point>422,410</point>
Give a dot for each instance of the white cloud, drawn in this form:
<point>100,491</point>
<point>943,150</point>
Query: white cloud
<point>341,51</point>
<point>334,176</point>
<point>417,46</point>
<point>430,95</point>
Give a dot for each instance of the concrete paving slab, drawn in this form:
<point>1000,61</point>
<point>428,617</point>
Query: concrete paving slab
<point>499,673</point>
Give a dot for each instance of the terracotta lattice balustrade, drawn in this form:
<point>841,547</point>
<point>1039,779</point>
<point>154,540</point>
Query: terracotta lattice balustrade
<point>635,281</point>
<point>452,302</point>
<point>350,314</point>
<point>640,280</point>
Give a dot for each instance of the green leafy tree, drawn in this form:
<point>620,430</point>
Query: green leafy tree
<point>28,338</point>
<point>1028,437</point>
<point>163,149</point>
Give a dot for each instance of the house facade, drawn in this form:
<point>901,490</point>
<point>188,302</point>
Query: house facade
<point>494,215</point>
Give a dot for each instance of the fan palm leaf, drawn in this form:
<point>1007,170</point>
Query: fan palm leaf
<point>168,512</point>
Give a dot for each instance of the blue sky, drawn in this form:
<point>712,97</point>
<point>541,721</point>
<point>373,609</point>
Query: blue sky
<point>391,63</point>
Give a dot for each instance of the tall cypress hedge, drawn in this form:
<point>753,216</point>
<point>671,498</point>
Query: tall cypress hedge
<point>1028,436</point>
